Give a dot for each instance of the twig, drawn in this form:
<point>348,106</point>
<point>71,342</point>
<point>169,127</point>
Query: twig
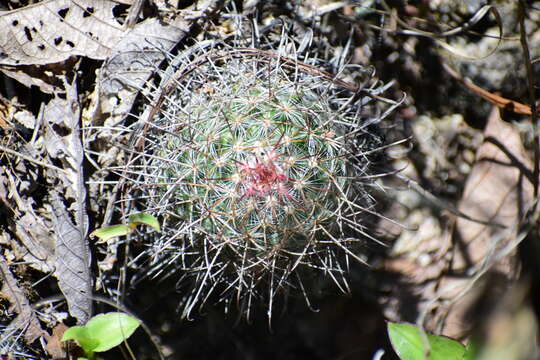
<point>499,101</point>
<point>28,158</point>
<point>532,99</point>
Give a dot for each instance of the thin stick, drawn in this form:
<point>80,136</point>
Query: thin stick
<point>532,99</point>
<point>28,158</point>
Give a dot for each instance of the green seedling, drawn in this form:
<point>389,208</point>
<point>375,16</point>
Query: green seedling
<point>108,232</point>
<point>102,333</point>
<point>411,343</point>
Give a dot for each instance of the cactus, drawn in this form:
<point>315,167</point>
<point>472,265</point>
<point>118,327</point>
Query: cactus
<point>260,167</point>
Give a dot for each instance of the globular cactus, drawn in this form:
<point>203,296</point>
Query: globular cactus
<point>259,167</point>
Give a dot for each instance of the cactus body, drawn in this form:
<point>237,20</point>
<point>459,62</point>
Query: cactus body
<point>266,168</point>
<point>259,167</point>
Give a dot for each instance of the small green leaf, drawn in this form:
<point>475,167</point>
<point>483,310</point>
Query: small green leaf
<point>408,344</point>
<point>109,232</point>
<point>144,219</point>
<point>111,329</point>
<point>444,348</point>
<point>82,336</point>
<point>74,332</point>
<point>472,350</point>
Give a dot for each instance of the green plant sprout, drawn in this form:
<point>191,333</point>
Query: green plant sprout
<point>411,343</point>
<point>109,232</point>
<point>102,333</point>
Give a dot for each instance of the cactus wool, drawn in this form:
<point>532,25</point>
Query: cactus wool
<point>259,166</point>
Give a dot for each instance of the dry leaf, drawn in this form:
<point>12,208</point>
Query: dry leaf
<point>72,262</point>
<point>6,112</point>
<point>52,30</point>
<point>48,78</point>
<point>55,346</point>
<point>63,142</point>
<point>26,320</point>
<point>31,229</point>
<point>134,59</point>
<point>498,191</point>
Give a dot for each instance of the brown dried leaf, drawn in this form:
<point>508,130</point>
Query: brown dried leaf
<point>63,142</point>
<point>134,59</point>
<point>6,112</point>
<point>31,229</point>
<point>48,78</point>
<point>53,30</point>
<point>498,191</point>
<point>55,346</point>
<point>26,320</point>
<point>72,262</point>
